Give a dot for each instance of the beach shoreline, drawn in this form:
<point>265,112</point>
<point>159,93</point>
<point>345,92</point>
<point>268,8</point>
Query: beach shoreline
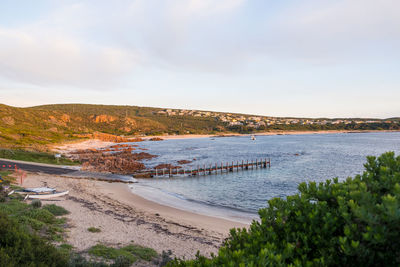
<point>67,147</point>
<point>193,136</point>
<point>124,217</point>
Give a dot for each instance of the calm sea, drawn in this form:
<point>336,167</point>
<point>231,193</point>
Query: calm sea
<point>294,159</point>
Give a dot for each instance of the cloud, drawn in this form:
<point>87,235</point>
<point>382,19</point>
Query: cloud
<point>334,31</point>
<point>48,58</point>
<point>220,36</point>
<point>95,44</point>
<point>192,35</point>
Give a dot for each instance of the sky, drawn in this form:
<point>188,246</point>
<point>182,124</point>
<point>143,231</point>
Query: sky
<point>308,58</point>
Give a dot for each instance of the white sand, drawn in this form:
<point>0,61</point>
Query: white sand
<point>87,144</point>
<point>124,218</point>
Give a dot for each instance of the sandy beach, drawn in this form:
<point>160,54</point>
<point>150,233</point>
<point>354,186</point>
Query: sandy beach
<point>68,147</point>
<point>124,218</point>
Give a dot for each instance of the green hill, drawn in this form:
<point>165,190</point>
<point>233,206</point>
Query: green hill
<point>35,127</point>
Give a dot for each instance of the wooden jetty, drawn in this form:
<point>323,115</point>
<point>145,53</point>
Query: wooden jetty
<point>209,169</point>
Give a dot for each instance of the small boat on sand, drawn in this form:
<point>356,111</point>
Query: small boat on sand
<point>47,196</point>
<point>42,193</point>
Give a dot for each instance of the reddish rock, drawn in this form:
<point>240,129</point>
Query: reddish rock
<point>122,162</point>
<point>184,161</point>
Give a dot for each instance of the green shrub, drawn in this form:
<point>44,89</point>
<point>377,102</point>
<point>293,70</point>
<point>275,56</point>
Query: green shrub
<point>350,223</point>
<point>3,194</point>
<point>110,253</point>
<point>67,247</point>
<point>124,256</point>
<point>41,215</point>
<point>56,210</point>
<point>36,203</point>
<point>18,247</point>
<point>142,252</point>
<point>94,230</point>
<point>39,219</point>
<point>77,260</point>
<point>121,261</point>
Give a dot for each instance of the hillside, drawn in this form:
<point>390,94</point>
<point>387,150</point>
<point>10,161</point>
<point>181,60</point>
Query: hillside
<point>35,127</point>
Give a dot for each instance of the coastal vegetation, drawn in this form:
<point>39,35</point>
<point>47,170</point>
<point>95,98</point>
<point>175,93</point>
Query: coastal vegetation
<point>35,128</point>
<point>94,229</point>
<point>350,223</point>
<point>130,253</point>
<point>34,235</point>
<point>34,156</point>
<point>347,223</point>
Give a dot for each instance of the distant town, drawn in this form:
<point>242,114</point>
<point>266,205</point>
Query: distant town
<point>256,122</point>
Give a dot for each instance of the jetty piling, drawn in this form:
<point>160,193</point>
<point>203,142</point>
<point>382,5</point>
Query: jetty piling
<point>210,170</point>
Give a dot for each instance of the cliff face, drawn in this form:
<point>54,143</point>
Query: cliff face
<point>103,118</point>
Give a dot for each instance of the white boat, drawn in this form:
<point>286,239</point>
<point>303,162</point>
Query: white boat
<point>47,196</point>
<point>253,137</point>
<point>42,193</point>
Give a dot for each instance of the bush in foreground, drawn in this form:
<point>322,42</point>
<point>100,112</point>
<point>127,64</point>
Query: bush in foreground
<point>351,223</point>
<point>18,247</point>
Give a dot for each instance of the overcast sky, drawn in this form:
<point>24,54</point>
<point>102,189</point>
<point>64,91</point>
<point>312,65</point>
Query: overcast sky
<point>309,58</point>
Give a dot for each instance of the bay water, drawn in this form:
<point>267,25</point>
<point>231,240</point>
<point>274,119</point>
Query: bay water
<point>239,195</point>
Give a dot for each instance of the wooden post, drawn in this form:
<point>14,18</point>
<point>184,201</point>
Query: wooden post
<point>247,165</point>
<point>156,172</point>
<point>256,163</point>
<point>242,165</point>
<point>170,172</point>
<point>163,172</point>
<point>184,172</point>
<point>216,168</point>
<point>222,167</point>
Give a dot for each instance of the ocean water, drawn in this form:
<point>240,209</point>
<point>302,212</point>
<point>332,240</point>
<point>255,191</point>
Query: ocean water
<point>239,195</point>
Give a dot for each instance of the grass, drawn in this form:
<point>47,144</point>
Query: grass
<point>56,210</point>
<point>110,253</point>
<point>142,252</point>
<point>39,157</point>
<point>94,230</point>
<point>66,246</point>
<point>39,220</point>
<point>131,252</point>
